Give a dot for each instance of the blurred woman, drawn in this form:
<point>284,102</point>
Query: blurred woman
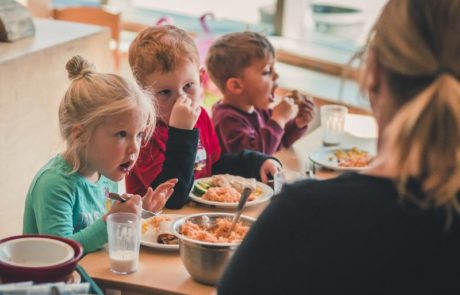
<point>395,228</point>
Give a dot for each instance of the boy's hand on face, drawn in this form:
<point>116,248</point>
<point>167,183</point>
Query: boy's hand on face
<point>284,111</point>
<point>184,113</point>
<point>269,167</point>
<point>155,200</point>
<point>306,111</point>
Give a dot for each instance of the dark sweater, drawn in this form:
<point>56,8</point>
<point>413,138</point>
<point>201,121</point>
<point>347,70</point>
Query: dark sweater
<point>349,235</point>
<point>238,130</point>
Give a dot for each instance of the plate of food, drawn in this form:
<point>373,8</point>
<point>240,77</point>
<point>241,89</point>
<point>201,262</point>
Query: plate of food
<point>224,191</point>
<point>156,232</point>
<point>342,159</point>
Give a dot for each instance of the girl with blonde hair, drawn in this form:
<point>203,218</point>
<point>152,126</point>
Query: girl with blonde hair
<point>395,228</point>
<point>103,119</point>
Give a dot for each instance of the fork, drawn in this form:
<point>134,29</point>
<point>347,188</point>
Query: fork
<point>144,214</point>
<point>239,209</point>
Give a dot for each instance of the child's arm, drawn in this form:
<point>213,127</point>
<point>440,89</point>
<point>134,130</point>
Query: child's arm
<point>53,213</point>
<point>245,163</point>
<point>179,162</point>
<point>296,128</point>
<point>238,131</point>
<point>292,133</point>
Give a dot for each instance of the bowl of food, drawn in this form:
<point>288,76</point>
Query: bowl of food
<point>38,258</point>
<point>204,245</point>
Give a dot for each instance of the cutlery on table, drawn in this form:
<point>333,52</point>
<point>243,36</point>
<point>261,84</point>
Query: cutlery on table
<point>239,209</point>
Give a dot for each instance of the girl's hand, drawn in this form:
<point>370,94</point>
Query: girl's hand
<point>284,111</point>
<point>306,111</point>
<point>132,205</point>
<point>184,113</point>
<point>155,200</point>
<point>269,167</point>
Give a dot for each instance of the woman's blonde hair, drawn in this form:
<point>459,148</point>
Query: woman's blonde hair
<point>417,44</point>
<point>90,99</point>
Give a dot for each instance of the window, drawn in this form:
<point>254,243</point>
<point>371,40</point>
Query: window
<point>338,23</point>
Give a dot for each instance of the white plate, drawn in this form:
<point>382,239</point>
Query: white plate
<point>267,193</point>
<point>325,157</point>
<point>146,239</point>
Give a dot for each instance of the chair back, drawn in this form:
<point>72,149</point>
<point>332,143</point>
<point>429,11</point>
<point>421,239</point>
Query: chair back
<point>91,15</point>
<point>95,16</point>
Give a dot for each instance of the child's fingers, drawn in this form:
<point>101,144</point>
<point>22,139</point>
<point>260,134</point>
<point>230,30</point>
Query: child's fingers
<point>172,180</point>
<point>289,100</point>
<point>180,101</point>
<point>169,194</point>
<point>306,103</point>
<point>263,176</point>
<point>134,199</point>
<point>187,102</point>
<point>164,186</point>
<point>305,114</point>
<point>130,197</point>
<point>196,108</point>
<point>149,199</point>
<point>148,195</point>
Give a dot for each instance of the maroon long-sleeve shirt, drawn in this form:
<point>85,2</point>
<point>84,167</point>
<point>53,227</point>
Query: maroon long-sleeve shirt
<point>238,130</point>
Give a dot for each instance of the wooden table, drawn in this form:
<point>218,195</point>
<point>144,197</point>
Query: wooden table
<point>162,272</point>
<point>159,272</point>
<point>360,131</point>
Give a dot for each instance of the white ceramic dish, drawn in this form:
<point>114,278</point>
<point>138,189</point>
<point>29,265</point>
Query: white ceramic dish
<point>325,157</point>
<point>23,252</point>
<point>267,193</point>
<point>149,238</point>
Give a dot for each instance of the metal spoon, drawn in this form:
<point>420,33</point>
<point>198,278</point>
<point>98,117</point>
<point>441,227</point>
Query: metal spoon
<point>144,214</point>
<point>239,209</point>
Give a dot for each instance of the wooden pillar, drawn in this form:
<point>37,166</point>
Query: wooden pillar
<point>40,8</point>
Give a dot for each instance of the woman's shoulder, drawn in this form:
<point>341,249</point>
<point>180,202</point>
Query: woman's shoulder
<point>346,190</point>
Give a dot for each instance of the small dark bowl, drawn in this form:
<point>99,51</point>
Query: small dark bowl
<point>57,271</point>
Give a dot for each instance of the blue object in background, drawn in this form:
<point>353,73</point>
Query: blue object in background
<point>192,23</point>
<point>189,23</point>
<point>66,3</point>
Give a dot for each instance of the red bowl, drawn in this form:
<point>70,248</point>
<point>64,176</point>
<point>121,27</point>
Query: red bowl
<point>52,272</point>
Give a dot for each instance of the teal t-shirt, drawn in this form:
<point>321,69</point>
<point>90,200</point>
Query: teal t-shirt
<point>67,205</point>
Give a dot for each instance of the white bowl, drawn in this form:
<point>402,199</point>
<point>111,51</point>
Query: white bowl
<point>35,252</point>
<point>338,20</point>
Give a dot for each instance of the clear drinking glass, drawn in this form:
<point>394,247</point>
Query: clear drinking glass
<point>333,123</point>
<point>124,232</point>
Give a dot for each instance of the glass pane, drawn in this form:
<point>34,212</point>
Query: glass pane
<point>230,16</point>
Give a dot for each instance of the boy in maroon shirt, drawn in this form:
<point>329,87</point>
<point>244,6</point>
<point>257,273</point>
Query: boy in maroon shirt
<point>242,67</point>
<point>164,60</point>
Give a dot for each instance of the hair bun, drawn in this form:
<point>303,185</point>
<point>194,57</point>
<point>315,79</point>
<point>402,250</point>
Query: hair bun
<point>77,67</point>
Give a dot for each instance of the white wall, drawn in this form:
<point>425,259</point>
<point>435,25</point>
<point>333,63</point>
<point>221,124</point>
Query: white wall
<point>32,82</point>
